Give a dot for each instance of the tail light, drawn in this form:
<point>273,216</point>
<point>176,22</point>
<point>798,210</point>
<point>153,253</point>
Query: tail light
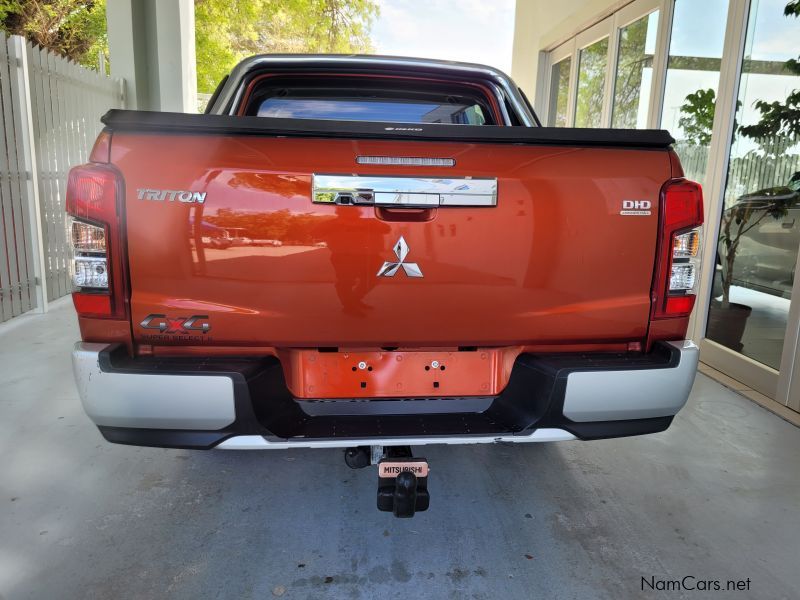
<point>93,195</point>
<point>678,260</point>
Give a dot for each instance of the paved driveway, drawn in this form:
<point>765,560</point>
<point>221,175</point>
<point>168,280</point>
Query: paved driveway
<point>714,497</point>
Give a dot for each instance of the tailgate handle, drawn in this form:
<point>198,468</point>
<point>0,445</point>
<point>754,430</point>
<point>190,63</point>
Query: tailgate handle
<point>405,214</point>
<point>403,192</point>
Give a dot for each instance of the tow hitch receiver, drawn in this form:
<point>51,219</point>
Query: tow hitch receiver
<point>403,486</point>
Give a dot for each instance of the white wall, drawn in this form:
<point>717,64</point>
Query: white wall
<point>541,24</point>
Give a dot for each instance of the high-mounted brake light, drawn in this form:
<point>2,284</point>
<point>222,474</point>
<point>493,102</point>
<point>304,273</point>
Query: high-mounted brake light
<point>93,193</point>
<point>678,260</point>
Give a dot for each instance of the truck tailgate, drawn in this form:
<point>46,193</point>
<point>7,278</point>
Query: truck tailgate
<point>259,264</point>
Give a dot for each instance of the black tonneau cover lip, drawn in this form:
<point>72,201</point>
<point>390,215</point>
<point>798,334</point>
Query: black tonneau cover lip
<point>197,124</point>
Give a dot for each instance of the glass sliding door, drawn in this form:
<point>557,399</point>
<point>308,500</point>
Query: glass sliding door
<point>559,93</point>
<point>634,73</point>
<point>592,67</point>
<point>692,85</point>
<point>760,221</point>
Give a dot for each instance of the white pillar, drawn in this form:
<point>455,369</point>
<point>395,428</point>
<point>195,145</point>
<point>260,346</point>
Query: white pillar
<point>125,54</point>
<point>177,74</point>
<point>151,43</point>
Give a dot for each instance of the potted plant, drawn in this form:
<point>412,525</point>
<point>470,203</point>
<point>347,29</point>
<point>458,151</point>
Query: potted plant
<point>727,320</point>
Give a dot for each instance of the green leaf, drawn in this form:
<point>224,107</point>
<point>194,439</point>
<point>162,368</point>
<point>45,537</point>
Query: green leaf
<point>226,31</point>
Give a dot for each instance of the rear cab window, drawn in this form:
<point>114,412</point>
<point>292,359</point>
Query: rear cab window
<point>362,98</point>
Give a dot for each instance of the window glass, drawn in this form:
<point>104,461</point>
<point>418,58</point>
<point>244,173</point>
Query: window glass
<point>559,93</point>
<point>354,98</point>
<point>637,43</point>
<point>760,221</point>
<point>357,109</point>
<point>592,62</point>
<point>695,52</point>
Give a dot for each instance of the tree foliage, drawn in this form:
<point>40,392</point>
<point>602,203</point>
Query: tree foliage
<point>75,29</point>
<point>697,116</point>
<point>591,84</point>
<point>631,63</point>
<point>226,30</point>
<point>229,30</point>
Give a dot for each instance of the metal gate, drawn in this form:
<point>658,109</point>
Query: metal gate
<point>50,112</point>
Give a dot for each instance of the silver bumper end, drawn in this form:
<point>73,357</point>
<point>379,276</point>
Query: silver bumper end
<point>632,393</point>
<point>150,401</point>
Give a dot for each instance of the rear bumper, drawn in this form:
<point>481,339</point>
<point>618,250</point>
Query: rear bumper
<point>243,403</point>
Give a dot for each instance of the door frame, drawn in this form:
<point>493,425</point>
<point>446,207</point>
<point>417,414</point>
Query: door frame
<point>562,52</point>
<point>586,38</point>
<point>609,27</point>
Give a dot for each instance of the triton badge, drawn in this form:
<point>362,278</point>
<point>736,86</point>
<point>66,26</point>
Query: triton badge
<point>185,196</point>
<point>401,251</point>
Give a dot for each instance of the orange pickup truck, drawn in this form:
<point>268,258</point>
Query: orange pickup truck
<point>374,253</point>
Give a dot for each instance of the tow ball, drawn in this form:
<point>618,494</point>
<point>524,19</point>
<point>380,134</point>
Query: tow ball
<point>402,478</point>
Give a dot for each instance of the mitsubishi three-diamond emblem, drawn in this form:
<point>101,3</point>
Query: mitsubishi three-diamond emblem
<point>401,251</point>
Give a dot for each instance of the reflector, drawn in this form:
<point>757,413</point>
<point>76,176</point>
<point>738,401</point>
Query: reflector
<point>92,304</point>
<point>680,304</point>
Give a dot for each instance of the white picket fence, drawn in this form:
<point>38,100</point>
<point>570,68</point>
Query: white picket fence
<point>50,111</point>
<point>772,162</point>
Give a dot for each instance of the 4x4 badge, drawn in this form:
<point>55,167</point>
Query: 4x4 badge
<point>178,325</point>
<point>401,251</point>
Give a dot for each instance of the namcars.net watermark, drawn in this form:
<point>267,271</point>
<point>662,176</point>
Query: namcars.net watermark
<point>690,583</point>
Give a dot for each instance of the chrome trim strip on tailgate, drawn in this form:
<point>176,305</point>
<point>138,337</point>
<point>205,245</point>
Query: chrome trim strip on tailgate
<point>150,401</point>
<point>406,192</point>
<point>632,393</point>
<point>406,161</point>
<point>258,442</point>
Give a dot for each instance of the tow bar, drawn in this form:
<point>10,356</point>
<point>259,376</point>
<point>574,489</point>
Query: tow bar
<point>402,478</point>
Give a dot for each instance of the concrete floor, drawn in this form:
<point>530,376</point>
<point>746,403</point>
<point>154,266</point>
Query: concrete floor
<point>716,497</point>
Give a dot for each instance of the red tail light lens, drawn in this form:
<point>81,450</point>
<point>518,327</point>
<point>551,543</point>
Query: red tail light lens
<point>683,208</point>
<point>93,196</point>
<point>92,193</point>
<point>677,271</point>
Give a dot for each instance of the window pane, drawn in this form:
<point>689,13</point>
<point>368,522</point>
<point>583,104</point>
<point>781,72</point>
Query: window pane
<point>592,62</point>
<point>390,110</point>
<point>354,98</point>
<point>760,222</point>
<point>698,34</point>
<point>559,93</point>
<point>637,43</point>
